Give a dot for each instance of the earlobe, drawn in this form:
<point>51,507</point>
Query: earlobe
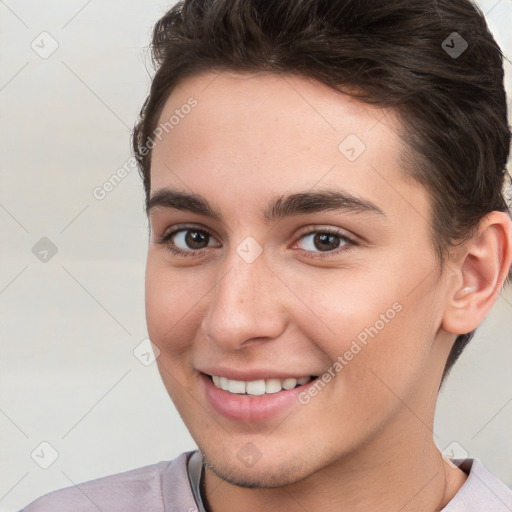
<point>481,269</point>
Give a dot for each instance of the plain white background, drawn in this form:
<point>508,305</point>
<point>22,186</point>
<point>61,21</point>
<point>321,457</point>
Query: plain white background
<point>68,374</point>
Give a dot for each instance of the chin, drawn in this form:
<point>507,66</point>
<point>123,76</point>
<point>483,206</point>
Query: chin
<point>270,475</point>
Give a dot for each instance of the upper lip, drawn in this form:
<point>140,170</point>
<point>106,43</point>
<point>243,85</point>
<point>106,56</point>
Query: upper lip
<point>252,375</point>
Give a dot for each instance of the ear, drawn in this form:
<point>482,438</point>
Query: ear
<point>480,271</point>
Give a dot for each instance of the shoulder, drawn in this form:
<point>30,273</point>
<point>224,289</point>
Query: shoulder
<point>140,489</point>
<point>481,492</point>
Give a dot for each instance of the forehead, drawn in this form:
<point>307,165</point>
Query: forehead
<point>252,135</point>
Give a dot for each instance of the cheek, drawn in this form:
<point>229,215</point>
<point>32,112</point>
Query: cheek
<point>173,302</point>
<point>370,323</point>
<point>346,307</point>
<point>395,353</point>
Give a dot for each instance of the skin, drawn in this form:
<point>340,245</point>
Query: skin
<point>365,441</point>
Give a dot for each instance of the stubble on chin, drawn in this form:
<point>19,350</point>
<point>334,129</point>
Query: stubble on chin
<point>254,478</point>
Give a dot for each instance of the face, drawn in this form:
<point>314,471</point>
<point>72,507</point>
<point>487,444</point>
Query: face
<point>299,276</point>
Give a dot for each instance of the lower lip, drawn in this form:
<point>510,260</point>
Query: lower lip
<point>247,408</point>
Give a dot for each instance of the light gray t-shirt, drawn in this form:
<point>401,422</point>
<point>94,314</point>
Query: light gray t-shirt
<point>166,487</point>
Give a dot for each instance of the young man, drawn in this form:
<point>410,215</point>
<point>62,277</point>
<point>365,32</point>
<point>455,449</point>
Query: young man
<point>324,184</point>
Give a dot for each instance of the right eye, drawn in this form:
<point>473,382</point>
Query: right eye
<point>187,241</point>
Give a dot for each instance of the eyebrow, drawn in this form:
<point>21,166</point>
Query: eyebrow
<point>277,208</point>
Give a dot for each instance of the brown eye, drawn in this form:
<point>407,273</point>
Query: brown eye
<point>187,241</point>
<point>195,239</point>
<point>326,242</point>
<point>323,241</point>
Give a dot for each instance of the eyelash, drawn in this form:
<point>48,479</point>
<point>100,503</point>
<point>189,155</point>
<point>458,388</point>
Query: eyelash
<point>349,242</point>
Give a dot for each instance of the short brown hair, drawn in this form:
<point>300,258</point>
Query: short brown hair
<point>389,53</point>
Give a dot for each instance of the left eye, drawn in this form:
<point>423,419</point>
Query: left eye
<point>323,241</point>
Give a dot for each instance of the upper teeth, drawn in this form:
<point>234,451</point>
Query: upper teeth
<point>257,387</point>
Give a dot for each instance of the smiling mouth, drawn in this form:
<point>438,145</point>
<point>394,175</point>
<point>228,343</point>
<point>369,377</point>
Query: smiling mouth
<point>258,387</point>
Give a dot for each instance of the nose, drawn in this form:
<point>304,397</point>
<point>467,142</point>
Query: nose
<point>245,304</point>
